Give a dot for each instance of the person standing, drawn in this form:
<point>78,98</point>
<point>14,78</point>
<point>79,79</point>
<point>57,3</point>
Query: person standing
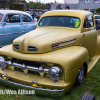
<point>67,7</point>
<point>58,7</point>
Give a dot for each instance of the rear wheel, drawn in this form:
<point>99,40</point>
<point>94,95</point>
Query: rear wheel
<point>88,97</point>
<point>80,76</point>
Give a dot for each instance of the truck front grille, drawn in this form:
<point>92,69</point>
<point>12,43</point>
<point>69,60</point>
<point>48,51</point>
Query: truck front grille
<point>29,71</point>
<point>28,67</point>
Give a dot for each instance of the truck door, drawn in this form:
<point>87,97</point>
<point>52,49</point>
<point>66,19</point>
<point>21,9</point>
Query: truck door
<point>89,35</point>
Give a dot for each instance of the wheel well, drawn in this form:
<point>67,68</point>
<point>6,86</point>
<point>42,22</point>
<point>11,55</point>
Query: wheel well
<point>85,68</point>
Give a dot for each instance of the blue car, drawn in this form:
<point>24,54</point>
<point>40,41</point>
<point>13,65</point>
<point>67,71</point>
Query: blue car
<point>14,23</point>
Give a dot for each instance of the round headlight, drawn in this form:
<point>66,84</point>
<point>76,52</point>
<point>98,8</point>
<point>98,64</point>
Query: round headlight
<point>2,61</point>
<point>55,73</point>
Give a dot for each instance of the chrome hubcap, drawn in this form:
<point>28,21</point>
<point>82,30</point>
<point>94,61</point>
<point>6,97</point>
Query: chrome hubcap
<point>81,74</point>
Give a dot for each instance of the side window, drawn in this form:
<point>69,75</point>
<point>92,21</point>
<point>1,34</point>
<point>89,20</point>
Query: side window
<point>88,22</point>
<point>6,19</point>
<point>44,22</point>
<point>97,17</point>
<point>12,18</point>
<point>26,18</point>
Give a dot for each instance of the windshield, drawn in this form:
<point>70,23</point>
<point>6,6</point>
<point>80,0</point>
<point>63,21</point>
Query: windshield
<point>1,16</point>
<point>62,21</point>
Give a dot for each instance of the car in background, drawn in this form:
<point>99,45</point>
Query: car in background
<point>14,23</point>
<point>97,17</point>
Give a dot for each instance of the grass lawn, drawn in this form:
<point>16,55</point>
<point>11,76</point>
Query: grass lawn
<point>90,85</point>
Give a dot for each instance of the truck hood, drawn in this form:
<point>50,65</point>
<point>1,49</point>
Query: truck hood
<point>43,40</point>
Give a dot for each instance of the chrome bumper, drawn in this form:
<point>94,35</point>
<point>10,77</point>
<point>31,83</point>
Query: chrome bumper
<point>40,91</point>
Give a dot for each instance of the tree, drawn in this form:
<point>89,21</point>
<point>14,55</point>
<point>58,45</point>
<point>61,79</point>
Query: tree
<point>98,10</point>
<point>17,7</point>
<point>21,1</point>
<point>6,3</point>
<point>38,5</point>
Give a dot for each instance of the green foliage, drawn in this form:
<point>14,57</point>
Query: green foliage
<point>37,5</point>
<point>98,10</point>
<point>6,3</point>
<point>17,7</point>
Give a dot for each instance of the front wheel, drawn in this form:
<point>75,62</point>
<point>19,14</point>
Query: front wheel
<point>80,76</point>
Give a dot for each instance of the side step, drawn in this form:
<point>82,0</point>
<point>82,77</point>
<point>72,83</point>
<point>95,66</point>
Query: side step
<point>92,62</point>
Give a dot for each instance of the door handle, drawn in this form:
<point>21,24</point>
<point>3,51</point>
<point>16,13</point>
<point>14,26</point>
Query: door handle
<point>4,23</point>
<point>96,33</point>
<point>21,23</point>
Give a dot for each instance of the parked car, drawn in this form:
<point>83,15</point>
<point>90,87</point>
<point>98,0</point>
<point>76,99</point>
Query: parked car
<point>56,55</point>
<point>97,17</point>
<point>13,24</point>
<point>97,25</point>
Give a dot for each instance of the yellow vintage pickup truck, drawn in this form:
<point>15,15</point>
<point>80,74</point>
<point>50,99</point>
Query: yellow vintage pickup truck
<point>56,55</point>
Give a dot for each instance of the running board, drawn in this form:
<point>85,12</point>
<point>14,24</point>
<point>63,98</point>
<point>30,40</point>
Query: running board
<point>92,62</point>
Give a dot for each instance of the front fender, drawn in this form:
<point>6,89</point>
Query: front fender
<point>69,58</point>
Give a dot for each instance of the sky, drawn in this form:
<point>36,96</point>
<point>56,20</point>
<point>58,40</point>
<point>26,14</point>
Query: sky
<point>47,1</point>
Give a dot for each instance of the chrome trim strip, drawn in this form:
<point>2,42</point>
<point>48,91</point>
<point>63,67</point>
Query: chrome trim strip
<point>63,42</point>
<point>66,41</point>
<point>2,34</point>
<point>17,65</point>
<point>37,89</point>
<point>32,46</point>
<point>46,70</point>
<point>27,67</point>
<point>63,45</point>
<point>14,33</point>
<point>32,68</point>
